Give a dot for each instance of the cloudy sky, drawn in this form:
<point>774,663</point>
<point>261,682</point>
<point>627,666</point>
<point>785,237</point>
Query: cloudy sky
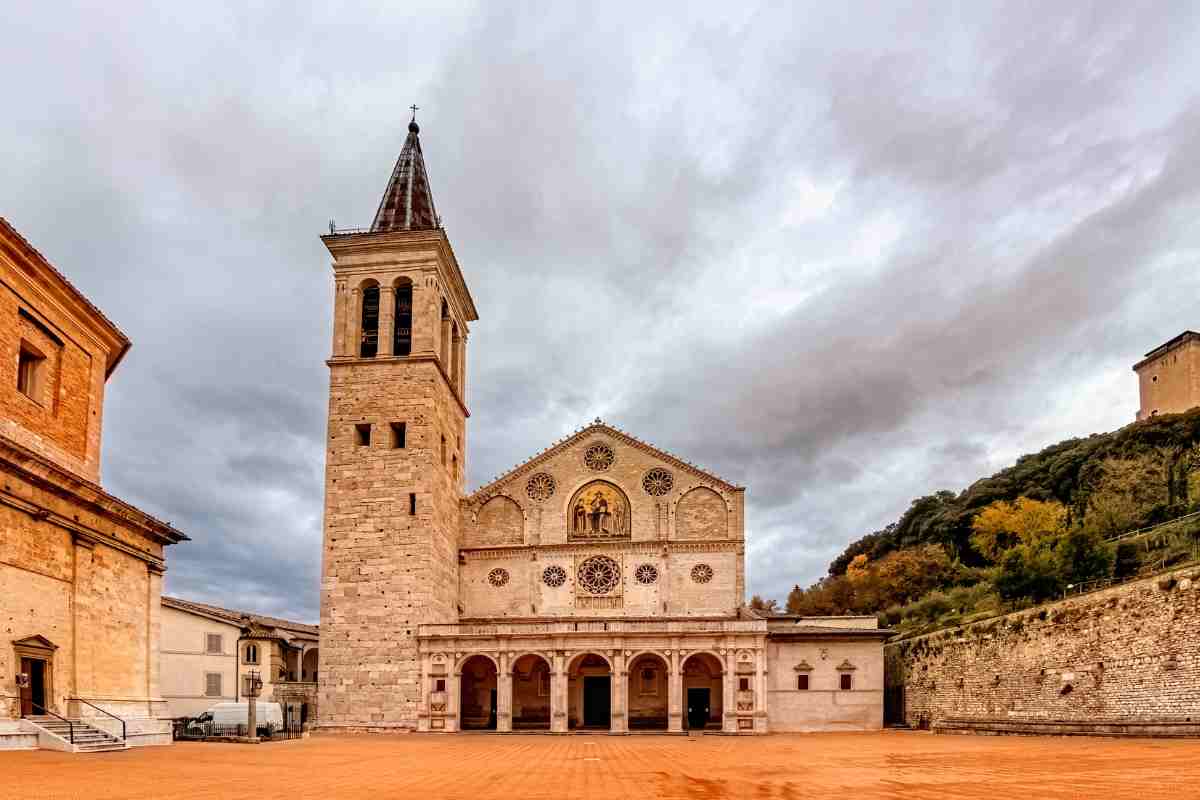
<point>841,256</point>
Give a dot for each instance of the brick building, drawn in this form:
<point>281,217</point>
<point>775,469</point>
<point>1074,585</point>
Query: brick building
<point>1169,377</point>
<point>80,570</point>
<point>600,584</point>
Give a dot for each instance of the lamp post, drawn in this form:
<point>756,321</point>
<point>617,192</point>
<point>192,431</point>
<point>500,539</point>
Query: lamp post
<point>255,687</point>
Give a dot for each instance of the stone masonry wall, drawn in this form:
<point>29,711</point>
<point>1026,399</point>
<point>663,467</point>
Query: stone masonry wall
<point>1126,654</point>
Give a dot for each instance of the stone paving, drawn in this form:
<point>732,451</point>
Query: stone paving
<point>890,764</point>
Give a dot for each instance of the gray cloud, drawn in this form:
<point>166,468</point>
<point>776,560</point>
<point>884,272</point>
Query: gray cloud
<point>842,258</point>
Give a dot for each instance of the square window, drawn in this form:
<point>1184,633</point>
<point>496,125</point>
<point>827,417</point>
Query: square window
<point>399,432</point>
<point>743,684</point>
<point>439,685</point>
<point>802,682</point>
<point>847,681</point>
<point>212,684</point>
<point>362,434</point>
<point>213,643</point>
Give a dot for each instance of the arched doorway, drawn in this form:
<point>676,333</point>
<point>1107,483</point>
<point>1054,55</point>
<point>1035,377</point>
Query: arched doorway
<point>309,667</point>
<point>531,693</point>
<point>702,692</point>
<point>649,687</point>
<point>477,695</point>
<point>589,693</point>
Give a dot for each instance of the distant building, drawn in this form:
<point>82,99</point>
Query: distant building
<point>208,653</point>
<point>80,570</point>
<point>1169,377</point>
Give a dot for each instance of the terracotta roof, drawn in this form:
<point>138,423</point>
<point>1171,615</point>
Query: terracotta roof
<point>237,617</point>
<point>599,426</point>
<point>407,203</point>
<point>34,255</point>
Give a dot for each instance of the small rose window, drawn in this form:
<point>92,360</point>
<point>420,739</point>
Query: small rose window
<point>599,575</point>
<point>599,457</point>
<point>498,577</point>
<point>702,573</point>
<point>540,487</point>
<point>646,574</point>
<point>658,482</point>
<point>554,576</point>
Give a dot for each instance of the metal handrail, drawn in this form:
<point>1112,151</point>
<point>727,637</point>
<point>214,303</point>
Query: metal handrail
<point>1140,531</point>
<point>70,724</point>
<point>102,711</point>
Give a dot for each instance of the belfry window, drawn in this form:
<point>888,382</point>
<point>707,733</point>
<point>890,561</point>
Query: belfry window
<point>369,340</point>
<point>402,341</point>
<point>30,368</point>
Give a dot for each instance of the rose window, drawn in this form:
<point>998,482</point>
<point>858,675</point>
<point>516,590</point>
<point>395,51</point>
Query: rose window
<point>702,573</point>
<point>658,482</point>
<point>599,575</point>
<point>498,577</point>
<point>540,487</point>
<point>646,574</point>
<point>599,457</point>
<point>554,576</point>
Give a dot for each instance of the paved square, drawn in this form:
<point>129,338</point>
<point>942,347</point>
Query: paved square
<point>852,765</point>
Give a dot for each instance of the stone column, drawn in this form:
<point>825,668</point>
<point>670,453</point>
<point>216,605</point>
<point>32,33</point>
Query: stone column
<point>387,320</point>
<point>620,679</point>
<point>504,689</point>
<point>155,705</point>
<point>353,323</point>
<point>675,695</point>
<point>82,659</point>
<point>558,694</point>
<point>760,691</point>
<point>729,692</point>
<point>453,699</point>
<point>340,298</point>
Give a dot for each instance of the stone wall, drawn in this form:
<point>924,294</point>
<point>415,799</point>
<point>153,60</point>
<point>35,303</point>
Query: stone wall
<point>1094,662</point>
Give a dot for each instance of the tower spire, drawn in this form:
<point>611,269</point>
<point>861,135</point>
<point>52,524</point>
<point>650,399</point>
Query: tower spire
<point>407,203</point>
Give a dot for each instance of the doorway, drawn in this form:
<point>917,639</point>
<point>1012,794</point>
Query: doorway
<point>33,696</point>
<point>597,696</point>
<point>698,708</point>
<point>477,698</point>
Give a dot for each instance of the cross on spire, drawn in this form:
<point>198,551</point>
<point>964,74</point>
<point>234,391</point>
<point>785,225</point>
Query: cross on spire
<point>414,108</point>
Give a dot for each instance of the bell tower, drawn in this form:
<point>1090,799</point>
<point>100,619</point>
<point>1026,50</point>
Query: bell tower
<point>395,448</point>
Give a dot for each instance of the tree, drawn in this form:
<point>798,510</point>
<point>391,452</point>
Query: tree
<point>1083,556</point>
<point>767,607</point>
<point>1028,571</point>
<point>1002,525</point>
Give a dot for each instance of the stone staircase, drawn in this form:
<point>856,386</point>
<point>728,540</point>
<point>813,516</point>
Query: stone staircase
<point>88,739</point>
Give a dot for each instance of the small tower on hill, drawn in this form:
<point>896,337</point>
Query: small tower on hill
<point>396,444</point>
<point>1169,377</point>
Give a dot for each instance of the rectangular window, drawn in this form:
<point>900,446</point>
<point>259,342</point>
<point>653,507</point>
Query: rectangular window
<point>251,654</point>
<point>362,434</point>
<point>30,366</point>
<point>212,684</point>
<point>213,643</point>
<point>802,682</point>
<point>443,451</point>
<point>847,681</point>
<point>743,684</point>
<point>439,685</point>
<point>398,435</point>
<point>412,504</point>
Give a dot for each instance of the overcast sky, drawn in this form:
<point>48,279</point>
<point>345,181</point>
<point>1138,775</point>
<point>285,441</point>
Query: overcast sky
<point>843,257</point>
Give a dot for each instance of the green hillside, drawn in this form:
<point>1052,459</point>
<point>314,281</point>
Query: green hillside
<point>1027,533</point>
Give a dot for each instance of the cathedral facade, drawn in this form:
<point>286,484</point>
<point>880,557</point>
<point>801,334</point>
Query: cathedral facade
<point>598,585</point>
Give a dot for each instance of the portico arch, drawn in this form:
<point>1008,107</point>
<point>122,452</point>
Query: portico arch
<point>649,688</point>
<point>531,692</point>
<point>703,691</point>
<point>589,692</point>
<point>477,693</point>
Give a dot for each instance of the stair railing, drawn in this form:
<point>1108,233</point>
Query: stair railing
<point>70,725</point>
<point>102,711</point>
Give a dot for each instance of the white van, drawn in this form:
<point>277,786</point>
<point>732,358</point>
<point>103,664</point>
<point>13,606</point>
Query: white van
<point>238,714</point>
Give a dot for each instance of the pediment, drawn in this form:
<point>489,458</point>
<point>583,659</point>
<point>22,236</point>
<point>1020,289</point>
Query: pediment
<point>36,642</point>
<point>589,444</point>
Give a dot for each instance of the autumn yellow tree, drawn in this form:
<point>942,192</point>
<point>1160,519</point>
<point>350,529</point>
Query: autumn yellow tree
<point>1002,524</point>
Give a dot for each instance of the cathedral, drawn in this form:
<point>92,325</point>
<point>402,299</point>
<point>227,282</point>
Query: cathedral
<point>599,585</point>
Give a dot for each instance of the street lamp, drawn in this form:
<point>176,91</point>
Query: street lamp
<point>255,686</point>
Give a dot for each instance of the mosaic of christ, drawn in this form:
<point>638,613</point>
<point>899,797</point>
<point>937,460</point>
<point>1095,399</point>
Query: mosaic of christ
<point>599,509</point>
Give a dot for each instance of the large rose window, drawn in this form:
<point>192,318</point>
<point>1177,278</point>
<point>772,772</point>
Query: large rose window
<point>599,575</point>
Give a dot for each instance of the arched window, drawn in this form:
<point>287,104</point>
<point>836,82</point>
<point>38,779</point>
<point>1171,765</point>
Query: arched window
<point>369,339</point>
<point>445,348</point>
<point>402,341</point>
<point>251,654</point>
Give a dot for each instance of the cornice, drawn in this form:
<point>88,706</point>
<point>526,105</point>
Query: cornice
<point>648,546</point>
